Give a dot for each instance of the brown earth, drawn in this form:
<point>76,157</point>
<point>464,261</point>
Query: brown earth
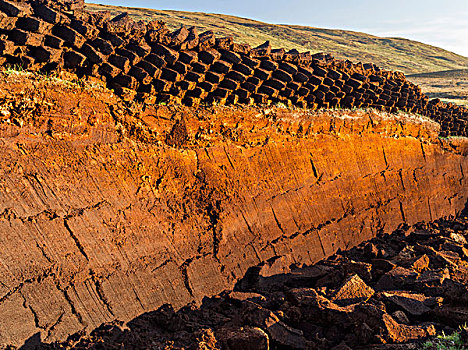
<point>112,209</point>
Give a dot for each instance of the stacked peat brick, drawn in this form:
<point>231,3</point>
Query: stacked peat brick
<point>148,62</point>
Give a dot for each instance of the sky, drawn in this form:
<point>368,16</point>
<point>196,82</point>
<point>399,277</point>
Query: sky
<point>442,23</point>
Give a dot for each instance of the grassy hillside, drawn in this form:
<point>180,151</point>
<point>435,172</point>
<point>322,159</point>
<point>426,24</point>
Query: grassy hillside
<point>389,53</point>
<point>449,86</point>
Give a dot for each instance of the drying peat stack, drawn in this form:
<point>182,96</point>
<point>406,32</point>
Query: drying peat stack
<point>147,61</point>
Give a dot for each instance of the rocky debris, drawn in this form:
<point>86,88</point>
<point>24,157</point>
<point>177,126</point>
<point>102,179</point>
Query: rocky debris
<point>248,338</point>
<point>148,62</point>
<point>411,303</point>
<point>302,313</point>
<point>353,291</point>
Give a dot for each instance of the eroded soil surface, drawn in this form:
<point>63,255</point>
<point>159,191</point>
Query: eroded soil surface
<point>391,292</point>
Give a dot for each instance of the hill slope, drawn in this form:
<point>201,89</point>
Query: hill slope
<point>389,53</point>
<point>449,86</point>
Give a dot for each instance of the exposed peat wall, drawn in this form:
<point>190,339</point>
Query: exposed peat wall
<point>109,210</point>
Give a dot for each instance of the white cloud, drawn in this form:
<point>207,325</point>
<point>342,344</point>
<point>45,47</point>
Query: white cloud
<point>450,33</point>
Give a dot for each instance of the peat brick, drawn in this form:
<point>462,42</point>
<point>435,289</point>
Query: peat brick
<point>224,43</point>
<point>188,57</point>
<point>262,74</point>
<point>53,41</point>
<point>244,69</point>
<point>209,56</point>
<point>300,77</point>
<point>241,48</point>
<point>109,70</point>
<point>269,65</point>
<point>250,87</point>
<point>71,36</point>
<point>319,71</point>
<point>127,81</point>
<point>268,90</point>
<point>103,46</point>
<point>275,83</point>
<point>132,56</point>
<point>156,60</point>
<point>194,76</point>
<point>192,40</point>
<point>199,67</point>
<point>207,86</point>
<point>49,15</point>
<point>114,39</point>
<point>333,74</point>
<point>141,50</point>
<point>180,68</point>
<point>150,68</point>
<point>206,40</point>
<point>282,75</point>
<point>230,56</point>
<point>170,56</point>
<point>20,37</point>
<point>243,93</point>
<point>92,54</point>
<point>162,85</point>
<point>221,92</point>
<point>45,54</point>
<point>32,24</point>
<point>251,62</point>
<point>222,67</point>
<point>140,74</point>
<point>229,84</point>
<point>84,29</point>
<point>288,68</point>
<point>73,59</point>
<point>15,9</point>
<point>121,62</point>
<point>214,78</point>
<point>186,85</point>
<point>170,75</point>
<point>236,76</point>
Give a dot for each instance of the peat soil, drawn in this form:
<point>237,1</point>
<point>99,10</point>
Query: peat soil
<point>391,292</point>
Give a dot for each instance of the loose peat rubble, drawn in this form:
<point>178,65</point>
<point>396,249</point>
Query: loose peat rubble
<point>146,61</point>
<point>392,292</point>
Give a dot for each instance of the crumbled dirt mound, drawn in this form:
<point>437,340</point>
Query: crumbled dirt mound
<point>146,61</point>
<point>395,289</point>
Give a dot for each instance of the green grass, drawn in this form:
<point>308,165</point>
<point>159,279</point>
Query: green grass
<point>447,74</point>
<point>71,81</point>
<point>14,69</point>
<point>453,341</point>
<point>390,53</point>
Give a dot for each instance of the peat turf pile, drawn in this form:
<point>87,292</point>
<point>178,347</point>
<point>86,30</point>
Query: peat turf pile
<point>147,61</point>
<point>388,293</point>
